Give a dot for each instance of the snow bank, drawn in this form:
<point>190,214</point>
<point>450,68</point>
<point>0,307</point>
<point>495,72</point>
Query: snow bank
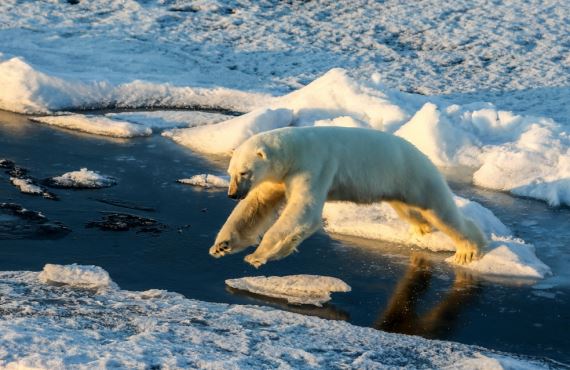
<point>505,255</point>
<point>27,90</point>
<point>77,276</point>
<point>51,326</point>
<point>207,181</point>
<point>528,156</point>
<point>98,125</point>
<point>223,137</point>
<point>296,289</point>
<point>336,95</point>
<point>82,179</point>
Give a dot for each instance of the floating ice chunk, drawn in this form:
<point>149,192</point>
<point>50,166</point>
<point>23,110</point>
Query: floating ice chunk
<point>297,289</point>
<point>98,125</point>
<point>224,137</point>
<point>207,181</point>
<point>26,186</point>
<point>82,179</point>
<point>508,256</point>
<point>74,275</point>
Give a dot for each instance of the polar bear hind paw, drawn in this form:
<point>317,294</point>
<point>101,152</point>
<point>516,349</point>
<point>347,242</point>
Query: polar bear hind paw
<point>254,260</point>
<point>465,256</point>
<point>220,249</point>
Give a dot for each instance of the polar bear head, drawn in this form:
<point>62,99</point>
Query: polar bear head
<point>252,163</point>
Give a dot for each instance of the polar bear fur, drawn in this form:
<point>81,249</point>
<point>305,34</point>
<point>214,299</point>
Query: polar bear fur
<point>293,171</point>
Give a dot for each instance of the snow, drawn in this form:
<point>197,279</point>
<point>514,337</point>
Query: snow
<point>84,179</point>
<point>505,255</point>
<point>296,289</point>
<point>26,186</point>
<point>222,138</point>
<point>77,276</point>
<point>60,326</point>
<point>207,181</point>
<point>98,125</point>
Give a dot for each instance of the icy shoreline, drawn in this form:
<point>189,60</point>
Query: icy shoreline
<point>49,326</point>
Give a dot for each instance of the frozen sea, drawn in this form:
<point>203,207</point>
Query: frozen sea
<point>395,288</point>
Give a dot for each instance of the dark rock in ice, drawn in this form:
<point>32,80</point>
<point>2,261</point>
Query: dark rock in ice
<point>125,222</point>
<point>17,222</point>
<point>7,164</point>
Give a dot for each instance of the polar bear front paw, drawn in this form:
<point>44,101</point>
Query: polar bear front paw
<point>220,249</point>
<point>254,260</point>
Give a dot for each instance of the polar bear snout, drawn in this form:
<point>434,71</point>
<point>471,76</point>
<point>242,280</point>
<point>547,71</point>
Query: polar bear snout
<point>238,189</point>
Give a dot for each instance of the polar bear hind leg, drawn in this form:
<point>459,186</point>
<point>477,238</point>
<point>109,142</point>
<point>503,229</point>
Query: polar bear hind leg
<point>418,225</point>
<point>467,237</point>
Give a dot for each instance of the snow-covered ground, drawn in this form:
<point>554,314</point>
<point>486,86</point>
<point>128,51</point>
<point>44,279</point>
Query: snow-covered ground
<point>49,320</point>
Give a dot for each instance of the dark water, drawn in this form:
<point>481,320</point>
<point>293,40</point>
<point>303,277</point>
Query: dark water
<point>394,288</point>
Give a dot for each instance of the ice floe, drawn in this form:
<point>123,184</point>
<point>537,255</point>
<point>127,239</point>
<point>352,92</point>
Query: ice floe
<point>207,181</point>
<point>26,186</point>
<point>60,326</point>
<point>82,179</point>
<point>296,289</point>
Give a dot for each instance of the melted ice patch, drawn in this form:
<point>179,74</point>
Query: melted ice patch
<point>78,276</point>
<point>83,179</point>
<point>296,289</point>
<point>207,181</point>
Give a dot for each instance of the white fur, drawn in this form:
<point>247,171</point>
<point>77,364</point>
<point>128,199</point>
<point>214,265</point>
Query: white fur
<point>295,170</point>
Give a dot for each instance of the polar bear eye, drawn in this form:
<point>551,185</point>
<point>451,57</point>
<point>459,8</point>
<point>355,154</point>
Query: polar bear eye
<point>243,173</point>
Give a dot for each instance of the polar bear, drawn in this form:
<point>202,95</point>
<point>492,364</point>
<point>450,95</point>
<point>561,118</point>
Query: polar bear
<point>284,177</point>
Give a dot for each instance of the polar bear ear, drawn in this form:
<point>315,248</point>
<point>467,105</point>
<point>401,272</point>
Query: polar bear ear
<point>261,153</point>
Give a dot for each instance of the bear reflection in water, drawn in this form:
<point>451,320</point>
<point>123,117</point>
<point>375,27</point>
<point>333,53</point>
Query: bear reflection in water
<point>401,314</point>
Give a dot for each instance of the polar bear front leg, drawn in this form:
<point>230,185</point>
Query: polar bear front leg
<point>299,220</point>
<point>249,220</point>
